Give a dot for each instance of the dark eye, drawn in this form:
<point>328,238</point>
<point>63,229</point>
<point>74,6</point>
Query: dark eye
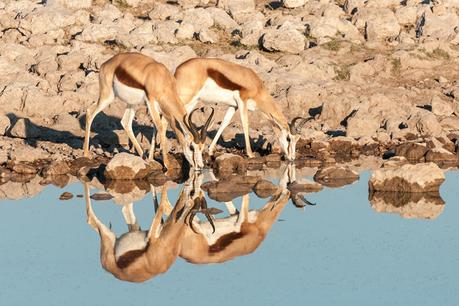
<point>288,138</point>
<point>192,148</point>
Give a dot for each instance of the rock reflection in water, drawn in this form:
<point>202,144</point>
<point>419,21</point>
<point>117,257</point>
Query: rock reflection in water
<point>408,204</point>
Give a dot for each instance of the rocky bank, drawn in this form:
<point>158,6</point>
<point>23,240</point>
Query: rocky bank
<point>378,76</point>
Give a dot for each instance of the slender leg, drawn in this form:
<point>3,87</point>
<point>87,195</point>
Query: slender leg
<point>245,126</point>
<point>151,152</point>
<point>91,113</point>
<point>126,122</point>
<point>161,130</point>
<point>226,120</point>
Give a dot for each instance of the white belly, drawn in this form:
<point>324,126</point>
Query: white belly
<point>130,95</point>
<point>212,93</point>
<point>224,226</point>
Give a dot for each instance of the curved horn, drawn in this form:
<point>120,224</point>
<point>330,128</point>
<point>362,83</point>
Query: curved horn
<point>294,128</point>
<point>191,126</point>
<point>206,126</point>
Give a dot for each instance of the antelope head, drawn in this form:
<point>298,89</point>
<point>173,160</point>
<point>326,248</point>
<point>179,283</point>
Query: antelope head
<point>199,137</point>
<point>289,138</point>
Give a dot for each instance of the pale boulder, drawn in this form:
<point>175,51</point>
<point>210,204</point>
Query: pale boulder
<point>362,126</point>
<point>428,125</point>
<point>408,178</point>
<point>125,166</point>
<point>164,11</point>
<point>293,3</point>
<point>441,107</point>
<point>288,40</point>
<point>200,18</point>
<point>439,27</point>
<point>5,124</point>
<point>382,25</point>
<point>251,32</point>
<point>24,128</point>
<point>44,20</point>
<point>222,19</point>
<point>406,15</point>
<point>71,4</point>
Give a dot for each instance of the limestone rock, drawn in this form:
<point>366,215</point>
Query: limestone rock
<point>164,11</point>
<point>24,128</point>
<point>236,7</point>
<point>293,3</point>
<point>440,156</point>
<point>228,163</point>
<point>412,151</point>
<point>406,15</point>
<point>441,107</point>
<point>362,126</point>
<point>125,166</point>
<point>438,26</point>
<point>251,32</point>
<point>428,125</point>
<point>409,178</point>
<point>57,168</point>
<point>72,4</point>
<point>200,18</point>
<point>222,19</point>
<point>4,124</point>
<point>23,168</point>
<point>284,40</point>
<point>378,23</point>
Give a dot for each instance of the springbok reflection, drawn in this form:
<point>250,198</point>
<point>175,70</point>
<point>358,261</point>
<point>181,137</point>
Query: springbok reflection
<point>137,255</point>
<point>240,233</point>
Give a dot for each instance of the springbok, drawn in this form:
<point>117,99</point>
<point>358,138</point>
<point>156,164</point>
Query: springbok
<point>136,79</point>
<point>213,80</point>
<point>137,255</point>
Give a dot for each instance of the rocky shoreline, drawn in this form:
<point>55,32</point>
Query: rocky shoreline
<point>378,77</point>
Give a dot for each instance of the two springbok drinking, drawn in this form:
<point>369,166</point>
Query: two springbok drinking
<point>137,79</point>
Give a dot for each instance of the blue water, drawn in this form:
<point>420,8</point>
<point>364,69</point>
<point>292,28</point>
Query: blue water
<point>340,252</point>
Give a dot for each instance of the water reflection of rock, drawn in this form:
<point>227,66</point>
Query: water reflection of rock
<point>336,176</point>
<point>408,204</point>
<point>127,191</point>
<point>12,190</point>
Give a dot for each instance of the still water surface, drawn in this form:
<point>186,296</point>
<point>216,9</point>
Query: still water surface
<point>339,252</point>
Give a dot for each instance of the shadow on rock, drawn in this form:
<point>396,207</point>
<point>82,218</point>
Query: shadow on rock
<point>24,128</point>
